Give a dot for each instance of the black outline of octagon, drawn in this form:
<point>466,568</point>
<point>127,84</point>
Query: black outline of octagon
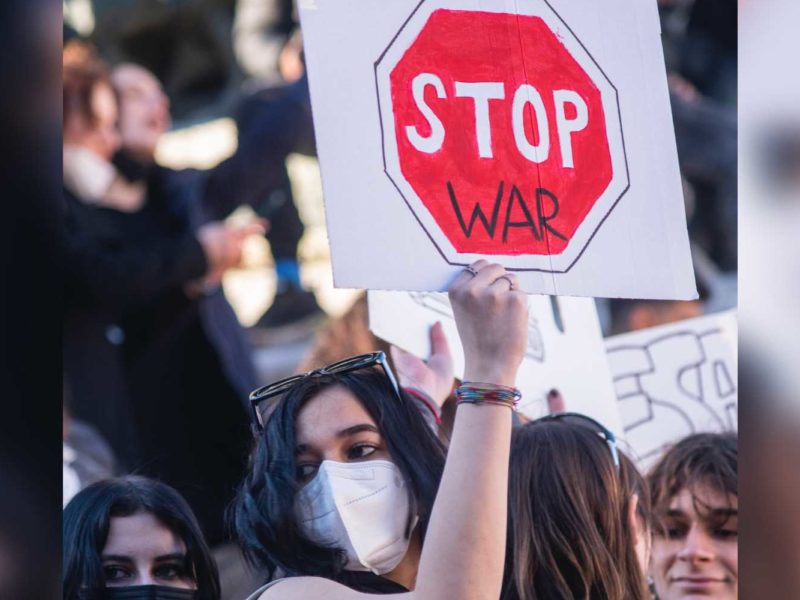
<point>621,133</point>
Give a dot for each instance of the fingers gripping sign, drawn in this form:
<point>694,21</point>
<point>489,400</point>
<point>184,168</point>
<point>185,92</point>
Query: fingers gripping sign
<point>491,316</point>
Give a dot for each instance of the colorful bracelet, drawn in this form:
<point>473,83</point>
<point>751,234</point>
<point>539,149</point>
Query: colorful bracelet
<point>471,392</point>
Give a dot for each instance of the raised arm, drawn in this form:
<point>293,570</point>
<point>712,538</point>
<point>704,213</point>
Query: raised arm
<point>464,548</point>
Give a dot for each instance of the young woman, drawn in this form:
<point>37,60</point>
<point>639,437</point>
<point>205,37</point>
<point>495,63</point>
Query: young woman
<point>135,538</point>
<point>578,513</point>
<point>339,498</point>
<point>694,487</point>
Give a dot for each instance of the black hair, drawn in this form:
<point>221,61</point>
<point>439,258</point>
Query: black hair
<point>87,519</point>
<point>262,515</point>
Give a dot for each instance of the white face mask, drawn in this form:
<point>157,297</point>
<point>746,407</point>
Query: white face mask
<point>361,508</point>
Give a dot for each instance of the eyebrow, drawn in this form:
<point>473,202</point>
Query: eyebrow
<point>128,559</point>
<point>346,432</point>
<point>117,558</point>
<point>357,429</point>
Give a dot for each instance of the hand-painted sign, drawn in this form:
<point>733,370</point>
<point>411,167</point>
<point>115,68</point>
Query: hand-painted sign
<point>533,133</point>
<point>519,156</point>
<point>675,380</point>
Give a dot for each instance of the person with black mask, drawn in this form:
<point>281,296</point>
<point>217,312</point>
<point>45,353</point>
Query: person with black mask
<point>134,538</point>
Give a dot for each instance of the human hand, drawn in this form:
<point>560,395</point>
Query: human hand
<point>222,244</point>
<point>492,319</point>
<point>434,377</point>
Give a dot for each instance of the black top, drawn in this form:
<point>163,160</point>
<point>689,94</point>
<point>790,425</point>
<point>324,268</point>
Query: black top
<point>364,581</point>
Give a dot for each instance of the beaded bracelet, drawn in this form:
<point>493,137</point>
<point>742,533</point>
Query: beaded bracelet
<point>471,392</point>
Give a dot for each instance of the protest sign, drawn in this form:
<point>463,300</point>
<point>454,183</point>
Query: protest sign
<point>535,134</point>
<point>563,336</point>
<point>675,380</point>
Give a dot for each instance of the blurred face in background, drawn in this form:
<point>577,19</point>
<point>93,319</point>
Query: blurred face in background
<point>144,110</point>
<point>99,133</point>
<point>140,550</point>
<point>695,554</point>
<point>652,314</point>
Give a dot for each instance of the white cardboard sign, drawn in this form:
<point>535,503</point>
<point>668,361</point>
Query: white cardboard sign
<point>565,348</point>
<point>675,380</point>
<point>534,133</point>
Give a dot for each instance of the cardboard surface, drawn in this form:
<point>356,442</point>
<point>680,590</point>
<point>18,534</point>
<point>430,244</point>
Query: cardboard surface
<point>675,380</point>
<point>563,338</point>
<point>444,135</point>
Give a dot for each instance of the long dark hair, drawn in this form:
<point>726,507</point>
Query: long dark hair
<point>568,517</point>
<point>87,519</point>
<point>262,515</point>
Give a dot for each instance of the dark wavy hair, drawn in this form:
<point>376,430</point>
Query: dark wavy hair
<point>262,515</point>
<point>87,519</point>
<point>568,533</point>
<point>710,459</point>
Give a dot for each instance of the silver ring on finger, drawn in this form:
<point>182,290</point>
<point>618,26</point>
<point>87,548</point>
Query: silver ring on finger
<point>508,279</point>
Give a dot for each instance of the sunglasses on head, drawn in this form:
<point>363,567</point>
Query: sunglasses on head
<point>588,423</point>
<point>260,399</point>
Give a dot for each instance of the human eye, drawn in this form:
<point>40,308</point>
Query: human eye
<point>359,451</point>
<point>676,533</point>
<point>306,471</point>
<point>726,533</point>
<point>114,573</point>
<point>170,570</point>
<point>674,530</point>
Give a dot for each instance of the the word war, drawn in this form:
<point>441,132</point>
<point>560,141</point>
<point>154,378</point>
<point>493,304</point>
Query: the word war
<point>534,213</point>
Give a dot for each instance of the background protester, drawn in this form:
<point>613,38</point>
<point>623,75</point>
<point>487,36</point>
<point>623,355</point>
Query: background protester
<point>143,359</point>
<point>276,102</point>
<point>695,495</point>
<point>325,432</point>
<point>578,514</point>
<point>255,175</point>
<point>134,537</point>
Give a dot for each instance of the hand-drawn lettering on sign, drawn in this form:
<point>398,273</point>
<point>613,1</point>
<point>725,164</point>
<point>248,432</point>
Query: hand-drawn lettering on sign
<point>440,304</point>
<point>501,132</point>
<point>672,386</point>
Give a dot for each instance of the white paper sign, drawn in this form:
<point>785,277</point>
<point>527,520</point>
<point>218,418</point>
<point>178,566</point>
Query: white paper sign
<point>565,348</point>
<point>675,380</point>
<point>536,134</point>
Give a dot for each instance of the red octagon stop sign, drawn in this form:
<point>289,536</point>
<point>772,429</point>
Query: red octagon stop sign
<point>501,133</point>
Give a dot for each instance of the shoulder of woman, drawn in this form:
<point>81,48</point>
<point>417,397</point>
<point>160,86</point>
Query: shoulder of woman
<point>309,588</point>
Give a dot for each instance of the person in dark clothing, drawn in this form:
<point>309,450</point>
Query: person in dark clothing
<point>255,175</point>
<point>152,351</point>
<point>276,107</point>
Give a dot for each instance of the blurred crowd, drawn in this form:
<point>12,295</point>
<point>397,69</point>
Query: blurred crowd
<point>158,369</point>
